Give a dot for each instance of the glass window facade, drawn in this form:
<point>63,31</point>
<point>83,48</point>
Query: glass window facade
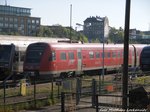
<point>17,19</point>
<point>19,11</point>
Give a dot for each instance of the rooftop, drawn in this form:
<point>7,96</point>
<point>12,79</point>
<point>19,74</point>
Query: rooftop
<point>94,19</point>
<point>17,11</point>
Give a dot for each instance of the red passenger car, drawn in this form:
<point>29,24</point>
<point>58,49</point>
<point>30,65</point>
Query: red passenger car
<point>65,58</point>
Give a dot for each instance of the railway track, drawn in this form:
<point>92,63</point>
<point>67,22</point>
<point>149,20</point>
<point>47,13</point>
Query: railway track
<point>16,99</point>
<point>114,75</point>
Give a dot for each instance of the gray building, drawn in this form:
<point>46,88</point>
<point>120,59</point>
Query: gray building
<point>96,28</point>
<point>18,20</point>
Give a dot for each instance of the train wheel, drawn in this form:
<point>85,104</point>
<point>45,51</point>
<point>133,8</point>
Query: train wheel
<point>63,75</point>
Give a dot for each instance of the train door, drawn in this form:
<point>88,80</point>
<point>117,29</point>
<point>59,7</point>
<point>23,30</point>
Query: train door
<point>79,60</point>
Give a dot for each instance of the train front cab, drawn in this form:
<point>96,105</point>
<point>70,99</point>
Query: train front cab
<point>42,60</point>
<point>7,53</point>
<point>145,59</point>
<point>33,59</point>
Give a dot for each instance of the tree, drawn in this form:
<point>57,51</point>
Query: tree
<point>82,38</point>
<point>44,31</point>
<point>116,36</point>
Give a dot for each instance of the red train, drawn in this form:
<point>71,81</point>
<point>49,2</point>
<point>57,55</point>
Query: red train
<point>65,58</point>
<point>12,52</point>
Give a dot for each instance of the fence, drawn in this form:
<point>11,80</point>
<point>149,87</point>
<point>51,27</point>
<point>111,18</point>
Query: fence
<point>76,91</point>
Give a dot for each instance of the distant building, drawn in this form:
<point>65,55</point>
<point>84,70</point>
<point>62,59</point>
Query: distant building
<point>18,20</point>
<point>137,34</point>
<point>133,33</point>
<point>96,28</point>
<point>146,34</point>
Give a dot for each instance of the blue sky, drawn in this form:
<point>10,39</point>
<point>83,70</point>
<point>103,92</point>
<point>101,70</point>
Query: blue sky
<point>58,11</point>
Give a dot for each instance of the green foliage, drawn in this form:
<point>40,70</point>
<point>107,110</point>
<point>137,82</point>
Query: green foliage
<point>61,32</point>
<point>95,40</point>
<point>116,36</point>
<point>7,109</point>
<point>44,32</point>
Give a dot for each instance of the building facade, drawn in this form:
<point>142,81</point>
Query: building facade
<point>96,28</point>
<point>18,20</point>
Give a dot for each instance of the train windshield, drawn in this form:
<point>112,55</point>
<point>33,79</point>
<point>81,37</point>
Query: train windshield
<point>146,54</point>
<point>5,51</point>
<point>34,53</point>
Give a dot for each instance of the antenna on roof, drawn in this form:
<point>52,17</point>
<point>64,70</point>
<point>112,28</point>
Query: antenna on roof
<point>5,2</point>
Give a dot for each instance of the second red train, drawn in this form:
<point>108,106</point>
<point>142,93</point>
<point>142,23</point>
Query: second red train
<point>62,59</point>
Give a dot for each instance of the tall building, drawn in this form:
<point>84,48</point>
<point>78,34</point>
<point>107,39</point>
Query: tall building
<point>96,28</point>
<point>18,20</point>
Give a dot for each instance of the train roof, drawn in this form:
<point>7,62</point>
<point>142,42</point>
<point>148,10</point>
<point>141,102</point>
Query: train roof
<point>93,45</point>
<point>146,48</point>
<point>26,40</point>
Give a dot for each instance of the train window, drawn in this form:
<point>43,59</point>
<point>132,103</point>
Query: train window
<point>119,54</point>
<point>102,55</point>
<point>52,56</point>
<point>108,54</point>
<point>71,55</point>
<point>122,54</point>
<point>79,55</point>
<point>146,54</point>
<point>63,56</point>
<point>5,53</point>
<point>34,56</point>
<point>97,54</point>
<point>91,54</point>
<point>113,54</point>
<point>105,54</point>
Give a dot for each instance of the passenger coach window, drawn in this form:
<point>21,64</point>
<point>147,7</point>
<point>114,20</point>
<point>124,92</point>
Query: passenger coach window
<point>122,54</point>
<point>108,54</point>
<point>102,55</point>
<point>91,54</point>
<point>114,54</point>
<point>119,55</point>
<point>105,54</point>
<point>97,55</point>
<point>71,55</point>
<point>63,56</point>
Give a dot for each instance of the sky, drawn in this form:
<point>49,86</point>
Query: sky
<point>54,12</point>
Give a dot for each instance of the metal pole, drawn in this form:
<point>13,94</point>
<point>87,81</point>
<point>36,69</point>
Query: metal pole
<point>58,91</point>
<point>35,89</point>
<point>103,59</point>
<point>4,96</point>
<point>126,50</point>
<point>70,21</point>
<point>62,102</point>
<point>101,78</point>
<point>52,88</point>
<point>97,103</point>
